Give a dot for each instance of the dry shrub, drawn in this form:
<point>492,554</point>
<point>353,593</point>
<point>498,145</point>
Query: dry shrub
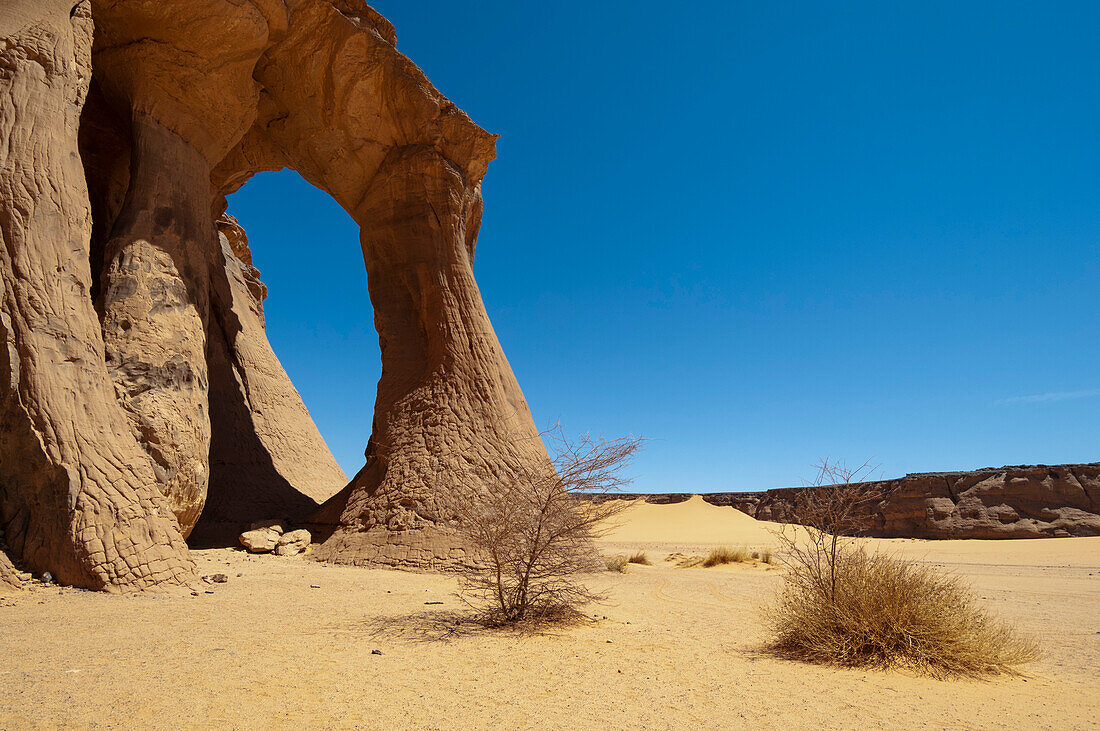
<point>842,605</point>
<point>533,531</point>
<point>763,556</point>
<point>884,612</point>
<point>716,557</point>
<point>640,557</point>
<point>616,563</point>
<point>725,554</point>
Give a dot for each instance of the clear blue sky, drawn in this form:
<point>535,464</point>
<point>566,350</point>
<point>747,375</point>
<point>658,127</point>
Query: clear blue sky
<point>757,232</point>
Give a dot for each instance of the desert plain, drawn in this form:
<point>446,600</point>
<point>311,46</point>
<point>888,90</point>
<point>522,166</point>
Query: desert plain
<point>290,641</point>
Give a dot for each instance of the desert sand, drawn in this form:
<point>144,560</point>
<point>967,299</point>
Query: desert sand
<point>289,641</point>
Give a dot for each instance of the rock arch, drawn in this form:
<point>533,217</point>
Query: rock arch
<point>137,380</point>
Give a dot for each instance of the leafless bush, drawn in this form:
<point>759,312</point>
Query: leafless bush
<point>842,605</point>
<point>834,506</point>
<point>534,530</point>
<point>640,557</point>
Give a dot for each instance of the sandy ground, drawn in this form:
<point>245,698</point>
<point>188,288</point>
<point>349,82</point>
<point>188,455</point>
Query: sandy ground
<point>671,648</point>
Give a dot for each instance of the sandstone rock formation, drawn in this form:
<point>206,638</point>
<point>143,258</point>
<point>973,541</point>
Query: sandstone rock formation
<point>139,396</point>
<point>293,543</point>
<point>266,455</point>
<point>9,577</point>
<point>260,540</point>
<point>78,494</point>
<point>1035,501</point>
<point>268,536</point>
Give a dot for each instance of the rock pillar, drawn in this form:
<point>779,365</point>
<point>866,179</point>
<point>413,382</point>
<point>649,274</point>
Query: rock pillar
<point>155,302</point>
<point>448,403</point>
<point>78,497</point>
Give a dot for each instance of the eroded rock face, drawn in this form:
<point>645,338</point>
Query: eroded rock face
<point>78,495</point>
<point>266,456</point>
<point>181,73</point>
<point>138,389</point>
<point>9,577</point>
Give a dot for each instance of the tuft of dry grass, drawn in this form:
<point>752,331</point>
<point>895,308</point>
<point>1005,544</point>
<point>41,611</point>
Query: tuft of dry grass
<point>684,561</point>
<point>616,563</point>
<point>640,557</point>
<point>725,554</point>
<point>718,556</point>
<point>884,612</point>
<point>766,556</point>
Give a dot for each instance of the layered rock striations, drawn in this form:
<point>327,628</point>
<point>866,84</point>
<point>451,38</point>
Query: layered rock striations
<point>140,396</point>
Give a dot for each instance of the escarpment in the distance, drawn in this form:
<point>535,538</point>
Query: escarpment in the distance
<point>1030,501</point>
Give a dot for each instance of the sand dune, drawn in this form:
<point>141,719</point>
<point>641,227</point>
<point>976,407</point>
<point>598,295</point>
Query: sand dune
<point>692,521</point>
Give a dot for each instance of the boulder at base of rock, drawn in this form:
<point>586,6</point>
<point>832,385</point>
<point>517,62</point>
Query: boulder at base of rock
<point>261,540</point>
<point>273,524</point>
<point>293,543</point>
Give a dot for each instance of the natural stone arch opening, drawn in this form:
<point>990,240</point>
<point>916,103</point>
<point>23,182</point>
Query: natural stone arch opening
<point>446,401</point>
<point>318,315</point>
<point>269,455</point>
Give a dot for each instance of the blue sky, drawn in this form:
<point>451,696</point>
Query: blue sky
<point>756,233</point>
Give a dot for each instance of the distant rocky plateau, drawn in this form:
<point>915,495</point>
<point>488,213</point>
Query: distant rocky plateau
<point>1022,501</point>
